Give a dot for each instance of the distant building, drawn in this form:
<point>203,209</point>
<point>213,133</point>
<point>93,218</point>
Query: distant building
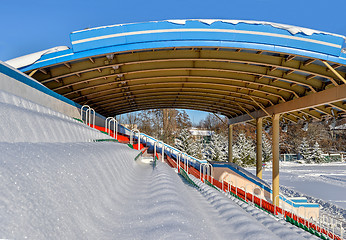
<point>199,134</point>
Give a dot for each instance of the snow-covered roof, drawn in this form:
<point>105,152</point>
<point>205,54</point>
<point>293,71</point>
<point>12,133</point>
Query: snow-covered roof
<point>200,132</point>
<point>292,29</point>
<point>29,59</point>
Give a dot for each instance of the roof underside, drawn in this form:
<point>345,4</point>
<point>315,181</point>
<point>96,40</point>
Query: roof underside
<point>231,82</point>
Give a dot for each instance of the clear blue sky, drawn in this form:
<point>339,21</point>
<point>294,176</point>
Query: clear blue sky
<point>31,26</point>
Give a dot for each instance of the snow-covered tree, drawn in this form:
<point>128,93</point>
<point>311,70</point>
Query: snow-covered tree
<point>316,153</point>
<point>197,147</point>
<point>244,150</point>
<point>184,142</point>
<point>305,151</point>
<point>266,148</point>
<point>216,149</point>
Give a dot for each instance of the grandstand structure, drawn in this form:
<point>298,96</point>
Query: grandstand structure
<point>257,72</point>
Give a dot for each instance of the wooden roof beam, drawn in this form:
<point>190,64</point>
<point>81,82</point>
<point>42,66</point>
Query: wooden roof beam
<point>194,89</point>
<point>146,107</point>
<point>67,65</point>
<point>173,104</point>
<point>327,96</point>
<point>158,60</point>
<point>44,71</point>
<point>181,69</point>
<point>183,82</point>
<point>308,62</point>
<point>334,71</point>
<point>122,101</point>
<point>310,77</point>
<point>289,58</point>
<point>289,72</point>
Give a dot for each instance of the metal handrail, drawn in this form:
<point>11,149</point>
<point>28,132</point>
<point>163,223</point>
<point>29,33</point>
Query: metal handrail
<point>139,138</point>
<point>207,166</point>
<point>88,113</point>
<point>163,151</point>
<point>131,137</point>
<point>115,127</point>
<point>91,111</point>
<point>332,223</point>
<point>81,113</point>
<point>178,160</point>
<point>108,130</point>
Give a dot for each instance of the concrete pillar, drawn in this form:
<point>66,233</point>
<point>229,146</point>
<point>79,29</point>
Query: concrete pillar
<point>275,181</point>
<point>259,147</point>
<point>230,140</point>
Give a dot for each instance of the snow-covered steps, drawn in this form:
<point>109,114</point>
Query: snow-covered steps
<point>97,191</point>
<point>228,207</point>
<point>25,121</point>
<point>246,198</point>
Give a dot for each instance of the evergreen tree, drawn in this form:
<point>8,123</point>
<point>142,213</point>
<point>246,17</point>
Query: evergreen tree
<point>244,150</point>
<point>216,150</point>
<point>185,143</point>
<point>316,153</point>
<point>266,148</point>
<point>197,148</point>
<point>305,151</point>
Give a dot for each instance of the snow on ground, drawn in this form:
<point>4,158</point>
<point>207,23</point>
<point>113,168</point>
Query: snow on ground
<point>98,191</point>
<point>324,184</point>
<point>56,184</point>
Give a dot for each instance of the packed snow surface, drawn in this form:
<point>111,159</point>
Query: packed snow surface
<point>98,191</point>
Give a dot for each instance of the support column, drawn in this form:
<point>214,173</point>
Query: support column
<point>230,140</point>
<point>275,180</point>
<point>259,148</point>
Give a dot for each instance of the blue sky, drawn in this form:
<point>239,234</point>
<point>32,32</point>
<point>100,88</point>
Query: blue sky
<point>31,26</point>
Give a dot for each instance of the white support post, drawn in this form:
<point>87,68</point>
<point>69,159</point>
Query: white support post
<point>86,113</point>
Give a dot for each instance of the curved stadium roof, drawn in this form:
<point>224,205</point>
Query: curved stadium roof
<point>241,69</point>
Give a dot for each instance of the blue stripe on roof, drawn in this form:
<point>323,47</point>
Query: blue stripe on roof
<point>256,41</point>
<point>150,45</point>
